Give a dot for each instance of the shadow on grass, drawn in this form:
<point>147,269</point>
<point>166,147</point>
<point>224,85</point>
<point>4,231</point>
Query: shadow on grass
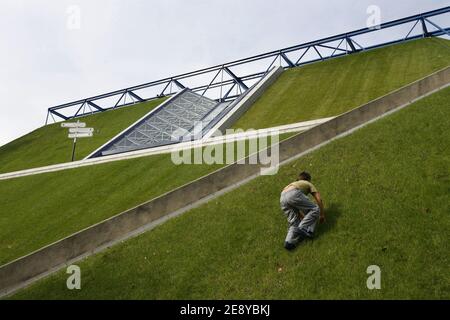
<point>332,214</point>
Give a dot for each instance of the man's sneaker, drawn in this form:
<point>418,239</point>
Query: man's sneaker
<point>289,246</point>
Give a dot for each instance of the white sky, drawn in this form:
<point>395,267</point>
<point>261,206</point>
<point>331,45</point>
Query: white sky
<point>122,43</point>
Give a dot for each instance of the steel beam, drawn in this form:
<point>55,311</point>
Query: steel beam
<point>301,57</point>
<point>229,91</point>
<point>438,27</point>
<point>236,78</point>
<point>135,96</point>
<point>414,25</point>
<point>212,81</point>
<point>338,48</point>
<point>314,47</point>
<point>350,43</point>
<point>178,84</point>
<point>332,48</point>
<point>424,28</point>
<point>288,61</point>
<point>120,99</point>
<point>165,88</point>
<point>79,109</point>
<point>56,113</point>
<point>96,106</point>
<point>324,42</point>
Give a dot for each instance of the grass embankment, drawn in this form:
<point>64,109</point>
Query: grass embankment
<point>385,189</point>
<point>35,211</point>
<point>332,87</point>
<point>49,144</point>
<point>38,210</point>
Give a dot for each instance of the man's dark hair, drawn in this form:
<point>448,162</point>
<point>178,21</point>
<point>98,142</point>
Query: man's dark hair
<point>304,176</point>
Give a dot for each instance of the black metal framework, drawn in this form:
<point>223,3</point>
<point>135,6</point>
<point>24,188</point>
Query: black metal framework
<point>224,82</point>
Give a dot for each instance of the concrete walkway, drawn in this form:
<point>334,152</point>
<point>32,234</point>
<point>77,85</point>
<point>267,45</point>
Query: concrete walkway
<point>295,127</point>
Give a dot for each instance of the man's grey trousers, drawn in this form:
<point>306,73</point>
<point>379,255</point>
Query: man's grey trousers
<point>291,203</point>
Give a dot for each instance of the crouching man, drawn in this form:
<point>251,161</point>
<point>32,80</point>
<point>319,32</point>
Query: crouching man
<point>302,214</point>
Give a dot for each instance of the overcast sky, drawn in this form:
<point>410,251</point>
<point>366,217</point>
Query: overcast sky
<point>45,61</point>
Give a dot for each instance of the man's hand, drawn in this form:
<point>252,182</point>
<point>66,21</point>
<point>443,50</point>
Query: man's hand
<point>319,202</point>
<point>322,218</point>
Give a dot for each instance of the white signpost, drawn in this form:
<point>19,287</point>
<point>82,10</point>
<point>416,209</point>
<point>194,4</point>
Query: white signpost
<point>80,135</point>
<point>73,125</point>
<point>81,130</point>
<point>77,130</point>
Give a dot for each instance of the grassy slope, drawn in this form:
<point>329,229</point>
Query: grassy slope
<point>58,204</point>
<point>335,86</point>
<point>50,145</point>
<point>387,204</point>
<point>38,210</point>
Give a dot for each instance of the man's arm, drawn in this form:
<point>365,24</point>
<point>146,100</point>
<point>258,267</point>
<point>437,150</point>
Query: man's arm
<point>319,202</point>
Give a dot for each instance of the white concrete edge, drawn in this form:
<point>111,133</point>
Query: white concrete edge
<point>159,107</point>
<point>295,127</point>
<point>244,100</point>
<point>198,203</point>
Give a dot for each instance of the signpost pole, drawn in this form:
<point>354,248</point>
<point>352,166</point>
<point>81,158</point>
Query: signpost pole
<point>77,130</point>
<point>74,143</point>
<point>73,148</point>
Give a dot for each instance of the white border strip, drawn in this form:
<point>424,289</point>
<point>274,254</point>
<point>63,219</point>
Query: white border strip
<point>250,134</point>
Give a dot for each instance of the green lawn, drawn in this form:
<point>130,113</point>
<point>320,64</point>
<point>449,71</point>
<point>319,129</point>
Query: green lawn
<point>335,86</point>
<point>50,145</point>
<point>386,191</point>
<point>38,210</point>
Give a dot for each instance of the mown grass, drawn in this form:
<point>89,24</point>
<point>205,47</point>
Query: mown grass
<point>386,191</point>
<point>38,210</point>
<point>49,144</point>
<point>335,86</point>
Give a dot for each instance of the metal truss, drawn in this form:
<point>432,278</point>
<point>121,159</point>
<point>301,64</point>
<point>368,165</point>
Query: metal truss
<point>226,83</point>
<point>166,124</point>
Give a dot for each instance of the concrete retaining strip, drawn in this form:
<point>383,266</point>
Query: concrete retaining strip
<point>22,271</point>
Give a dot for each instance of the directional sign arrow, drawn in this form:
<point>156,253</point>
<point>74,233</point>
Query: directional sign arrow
<point>73,125</point>
<point>80,135</point>
<point>81,130</point>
